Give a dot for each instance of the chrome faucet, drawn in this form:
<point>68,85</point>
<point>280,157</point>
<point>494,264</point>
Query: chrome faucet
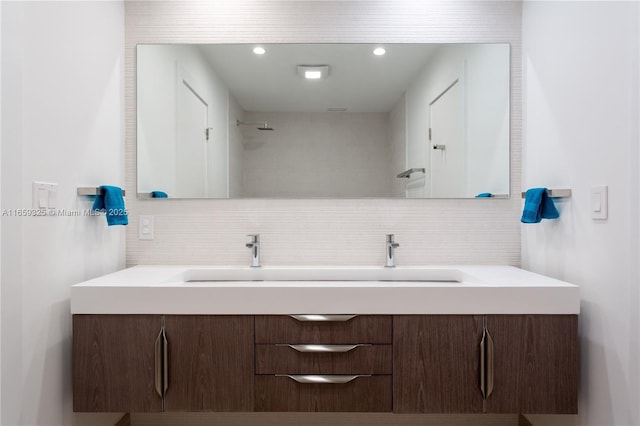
<point>391,246</point>
<point>254,245</point>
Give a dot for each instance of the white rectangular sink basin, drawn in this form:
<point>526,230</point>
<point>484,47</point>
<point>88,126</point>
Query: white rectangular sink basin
<point>370,276</point>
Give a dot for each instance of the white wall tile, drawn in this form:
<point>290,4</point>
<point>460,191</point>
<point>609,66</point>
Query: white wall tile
<point>325,231</point>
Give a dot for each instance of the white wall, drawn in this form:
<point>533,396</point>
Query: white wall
<point>317,154</point>
<point>483,74</point>
<point>0,221</point>
<point>581,130</point>
<point>236,149</point>
<point>62,103</point>
<point>161,67</point>
<point>397,146</point>
<point>331,231</point>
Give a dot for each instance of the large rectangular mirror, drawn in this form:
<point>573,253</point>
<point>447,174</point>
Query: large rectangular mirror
<point>323,120</point>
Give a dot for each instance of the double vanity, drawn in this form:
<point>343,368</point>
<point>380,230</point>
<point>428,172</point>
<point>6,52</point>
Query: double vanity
<point>427,339</point>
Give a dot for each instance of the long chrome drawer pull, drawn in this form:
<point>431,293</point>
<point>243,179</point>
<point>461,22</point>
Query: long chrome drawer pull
<point>317,317</point>
<point>324,348</point>
<point>323,379</point>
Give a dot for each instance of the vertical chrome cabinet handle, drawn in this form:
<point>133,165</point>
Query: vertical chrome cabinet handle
<point>489,361</point>
<point>318,317</point>
<point>329,379</point>
<point>486,364</point>
<point>165,364</point>
<point>161,365</point>
<point>483,373</point>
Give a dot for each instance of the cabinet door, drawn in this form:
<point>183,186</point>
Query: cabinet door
<point>211,364</point>
<point>114,363</point>
<point>535,362</point>
<point>436,363</point>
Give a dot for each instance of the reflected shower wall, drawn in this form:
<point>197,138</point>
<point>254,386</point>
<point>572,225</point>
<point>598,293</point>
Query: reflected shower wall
<point>318,154</point>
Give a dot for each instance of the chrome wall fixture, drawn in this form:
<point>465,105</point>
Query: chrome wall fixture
<point>262,125</point>
<point>407,173</point>
<point>90,191</point>
<point>555,193</point>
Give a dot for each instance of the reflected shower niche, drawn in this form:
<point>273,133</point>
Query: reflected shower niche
<point>323,120</point>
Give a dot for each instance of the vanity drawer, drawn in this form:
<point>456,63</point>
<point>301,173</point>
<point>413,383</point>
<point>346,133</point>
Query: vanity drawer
<point>283,359</point>
<point>362,394</point>
<point>359,329</point>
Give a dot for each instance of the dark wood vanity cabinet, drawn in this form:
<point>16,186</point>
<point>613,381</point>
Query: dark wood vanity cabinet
<point>529,362</point>
<point>401,363</point>
<point>120,363</point>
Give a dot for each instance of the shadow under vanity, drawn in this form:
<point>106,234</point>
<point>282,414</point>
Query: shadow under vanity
<point>212,340</point>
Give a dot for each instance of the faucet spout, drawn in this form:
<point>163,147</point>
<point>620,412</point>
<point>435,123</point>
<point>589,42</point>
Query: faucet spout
<point>254,245</point>
<point>390,251</point>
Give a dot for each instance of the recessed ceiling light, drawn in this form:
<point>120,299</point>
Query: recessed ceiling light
<point>259,50</point>
<point>379,51</point>
<point>313,72</point>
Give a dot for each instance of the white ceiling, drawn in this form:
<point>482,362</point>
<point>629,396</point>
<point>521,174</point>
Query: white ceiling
<point>358,80</point>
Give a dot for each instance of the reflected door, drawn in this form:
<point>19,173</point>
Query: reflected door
<point>191,145</point>
<point>447,150</point>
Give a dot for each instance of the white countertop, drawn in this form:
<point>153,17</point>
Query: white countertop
<point>331,290</point>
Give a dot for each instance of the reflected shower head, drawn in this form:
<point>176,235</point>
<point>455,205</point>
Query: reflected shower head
<point>263,125</point>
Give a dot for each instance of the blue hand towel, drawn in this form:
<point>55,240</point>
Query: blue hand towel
<point>484,195</point>
<point>159,194</point>
<point>538,205</point>
<point>111,201</point>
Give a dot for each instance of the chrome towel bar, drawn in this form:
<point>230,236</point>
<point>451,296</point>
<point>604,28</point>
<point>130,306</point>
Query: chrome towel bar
<point>407,173</point>
<point>91,191</point>
<point>555,193</point>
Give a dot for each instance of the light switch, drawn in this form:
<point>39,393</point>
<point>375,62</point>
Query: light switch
<point>145,228</point>
<point>44,195</point>
<point>43,198</point>
<point>599,202</point>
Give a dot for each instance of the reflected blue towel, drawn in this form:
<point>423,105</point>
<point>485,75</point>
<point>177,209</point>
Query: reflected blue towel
<point>111,201</point>
<point>484,195</point>
<point>159,194</point>
<point>538,205</point>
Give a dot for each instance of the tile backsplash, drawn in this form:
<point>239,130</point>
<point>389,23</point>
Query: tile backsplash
<point>324,231</point>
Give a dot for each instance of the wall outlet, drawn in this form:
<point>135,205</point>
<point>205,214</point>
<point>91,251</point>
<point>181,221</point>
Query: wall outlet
<point>145,227</point>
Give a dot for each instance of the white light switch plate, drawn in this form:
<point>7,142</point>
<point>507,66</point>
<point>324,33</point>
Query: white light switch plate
<point>44,195</point>
<point>145,227</point>
<point>599,202</point>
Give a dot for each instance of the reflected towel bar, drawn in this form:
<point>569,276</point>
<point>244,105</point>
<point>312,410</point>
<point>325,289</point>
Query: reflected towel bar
<point>91,191</point>
<point>555,193</point>
<point>407,173</point>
